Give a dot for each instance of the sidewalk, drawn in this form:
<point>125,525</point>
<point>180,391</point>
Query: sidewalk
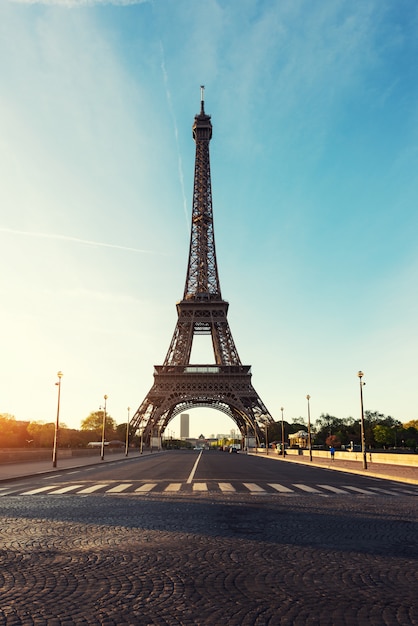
<point>10,471</point>
<point>399,473</point>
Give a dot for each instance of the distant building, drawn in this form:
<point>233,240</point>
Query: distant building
<point>184,426</point>
<point>299,439</point>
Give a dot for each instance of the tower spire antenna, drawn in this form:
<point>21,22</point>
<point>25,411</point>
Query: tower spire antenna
<point>202,98</point>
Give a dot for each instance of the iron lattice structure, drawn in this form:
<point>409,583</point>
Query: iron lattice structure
<point>178,384</point>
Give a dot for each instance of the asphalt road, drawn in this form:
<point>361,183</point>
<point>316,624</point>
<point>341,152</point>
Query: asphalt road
<point>91,546</point>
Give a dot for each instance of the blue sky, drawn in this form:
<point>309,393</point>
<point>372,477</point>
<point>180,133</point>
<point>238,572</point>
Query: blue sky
<point>314,164</point>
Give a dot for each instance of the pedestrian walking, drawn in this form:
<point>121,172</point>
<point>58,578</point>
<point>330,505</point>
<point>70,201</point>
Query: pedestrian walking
<point>332,450</point>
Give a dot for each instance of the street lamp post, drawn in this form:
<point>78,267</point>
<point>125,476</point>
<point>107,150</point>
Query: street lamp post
<point>103,429</point>
<point>57,422</point>
<point>141,445</point>
<point>267,439</point>
<point>283,450</point>
<point>127,434</point>
<point>308,397</point>
<point>363,435</point>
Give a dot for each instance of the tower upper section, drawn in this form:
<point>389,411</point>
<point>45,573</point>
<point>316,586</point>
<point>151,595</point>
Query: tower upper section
<point>202,280</point>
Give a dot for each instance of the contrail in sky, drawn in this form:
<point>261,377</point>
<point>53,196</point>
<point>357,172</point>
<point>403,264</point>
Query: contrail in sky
<point>86,242</point>
<point>176,133</point>
<point>81,3</point>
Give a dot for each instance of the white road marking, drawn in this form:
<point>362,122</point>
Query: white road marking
<point>173,487</point>
<point>200,487</point>
<point>92,488</point>
<point>145,488</point>
<point>385,491</point>
<point>409,491</point>
<point>119,488</point>
<point>39,490</point>
<point>253,488</point>
<point>358,490</point>
<point>333,489</point>
<point>226,487</point>
<point>306,488</point>
<point>64,489</point>
<point>281,488</point>
<point>192,473</point>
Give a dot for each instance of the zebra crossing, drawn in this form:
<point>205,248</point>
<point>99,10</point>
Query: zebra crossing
<point>138,488</point>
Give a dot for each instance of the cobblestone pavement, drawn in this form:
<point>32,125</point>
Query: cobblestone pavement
<point>91,561</point>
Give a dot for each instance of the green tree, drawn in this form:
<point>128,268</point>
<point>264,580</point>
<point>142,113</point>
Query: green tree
<point>327,426</point>
<point>274,431</point>
<point>410,434</point>
<point>72,438</point>
<point>94,423</point>
<point>42,435</point>
<point>298,423</point>
<point>384,436</point>
<point>346,430</point>
<point>373,419</point>
<point>13,433</point>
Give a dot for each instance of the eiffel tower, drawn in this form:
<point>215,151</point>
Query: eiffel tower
<point>178,384</point>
